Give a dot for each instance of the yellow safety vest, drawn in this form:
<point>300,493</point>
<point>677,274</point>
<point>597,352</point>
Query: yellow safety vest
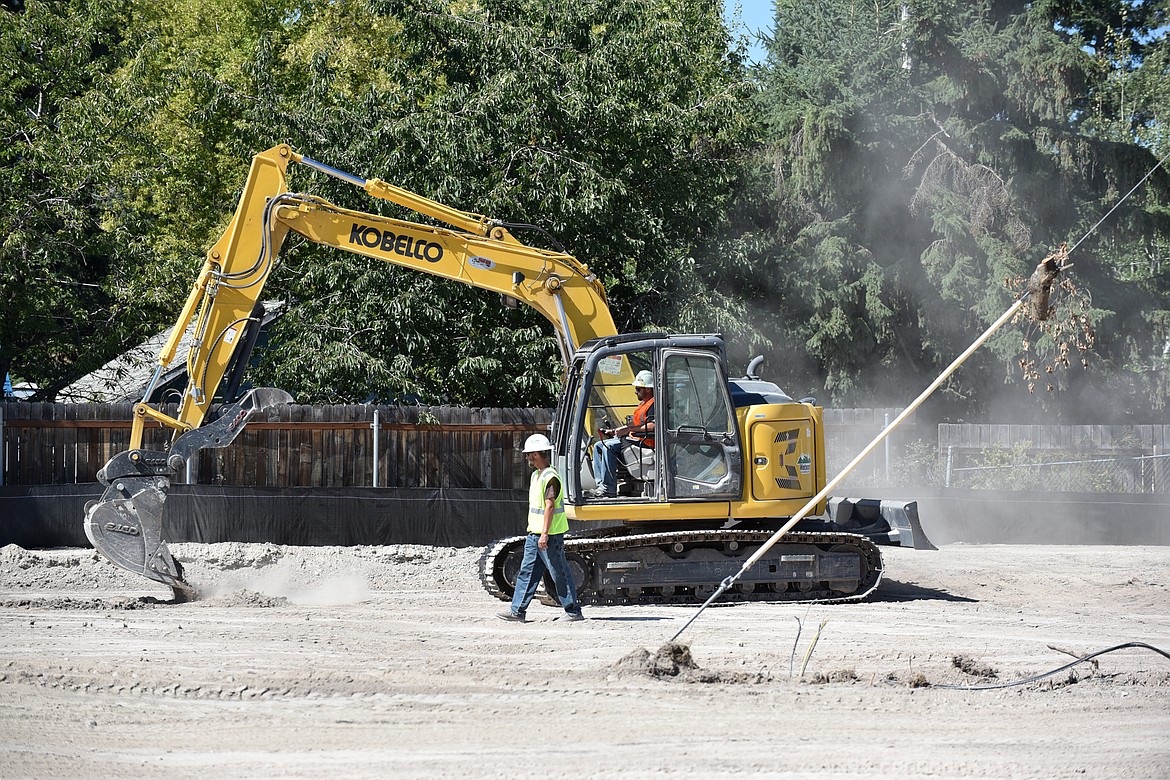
<point>536,488</point>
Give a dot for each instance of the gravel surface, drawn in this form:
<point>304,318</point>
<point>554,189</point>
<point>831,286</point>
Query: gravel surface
<point>373,662</point>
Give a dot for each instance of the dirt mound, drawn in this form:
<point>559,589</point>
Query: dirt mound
<point>835,676</point>
<point>670,660</point>
<point>674,660</point>
<point>305,575</point>
<point>61,569</point>
<point>324,575</point>
<point>69,602</point>
<point>234,555</point>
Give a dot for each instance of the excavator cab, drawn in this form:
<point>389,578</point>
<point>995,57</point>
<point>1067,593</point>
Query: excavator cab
<point>733,459</point>
<point>696,453</point>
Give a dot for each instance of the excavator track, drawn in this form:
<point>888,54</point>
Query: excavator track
<point>614,566</point>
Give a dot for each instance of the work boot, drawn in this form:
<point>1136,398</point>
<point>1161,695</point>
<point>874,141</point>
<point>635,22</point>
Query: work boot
<point>511,617</point>
<point>570,617</point>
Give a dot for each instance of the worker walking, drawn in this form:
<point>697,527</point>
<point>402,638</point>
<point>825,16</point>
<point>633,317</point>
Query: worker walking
<point>544,548</point>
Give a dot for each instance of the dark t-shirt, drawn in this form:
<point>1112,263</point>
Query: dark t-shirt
<point>552,489</point>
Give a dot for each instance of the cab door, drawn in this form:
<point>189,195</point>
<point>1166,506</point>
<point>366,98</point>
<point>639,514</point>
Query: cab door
<point>703,453</point>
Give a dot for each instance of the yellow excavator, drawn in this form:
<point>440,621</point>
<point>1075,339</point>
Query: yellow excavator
<point>732,457</point>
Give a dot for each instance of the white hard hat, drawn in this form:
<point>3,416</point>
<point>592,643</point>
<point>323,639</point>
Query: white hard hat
<point>644,379</point>
<point>537,442</point>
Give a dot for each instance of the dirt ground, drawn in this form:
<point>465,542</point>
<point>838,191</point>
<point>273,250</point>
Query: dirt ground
<point>377,662</point>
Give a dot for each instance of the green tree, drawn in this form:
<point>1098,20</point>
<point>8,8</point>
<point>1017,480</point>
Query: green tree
<point>615,126</point>
<point>62,260</point>
<point>927,151</point>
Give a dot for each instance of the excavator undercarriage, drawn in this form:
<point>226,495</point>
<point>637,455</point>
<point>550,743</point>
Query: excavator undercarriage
<point>625,565</point>
<point>685,567</point>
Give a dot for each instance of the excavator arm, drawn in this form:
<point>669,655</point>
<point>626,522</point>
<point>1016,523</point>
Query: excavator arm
<point>477,251</point>
<point>125,524</point>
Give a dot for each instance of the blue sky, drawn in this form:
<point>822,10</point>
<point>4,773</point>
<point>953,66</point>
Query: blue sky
<point>754,15</point>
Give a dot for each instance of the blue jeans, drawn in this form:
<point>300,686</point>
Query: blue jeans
<point>605,460</point>
<point>532,568</point>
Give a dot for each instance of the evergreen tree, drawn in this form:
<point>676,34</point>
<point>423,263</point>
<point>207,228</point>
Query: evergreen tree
<point>925,152</point>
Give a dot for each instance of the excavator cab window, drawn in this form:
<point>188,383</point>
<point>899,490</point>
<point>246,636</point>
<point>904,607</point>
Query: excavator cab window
<point>597,400</point>
<point>612,399</point>
<point>697,454</point>
<point>703,452</point>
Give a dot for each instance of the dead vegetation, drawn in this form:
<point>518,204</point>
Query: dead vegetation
<point>968,665</point>
<point>1058,321</point>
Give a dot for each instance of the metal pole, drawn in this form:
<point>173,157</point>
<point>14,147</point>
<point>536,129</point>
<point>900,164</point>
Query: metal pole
<point>337,173</point>
<point>376,426</point>
<point>1158,476</point>
<point>149,391</point>
<point>823,494</point>
<point>950,463</point>
<point>567,335</point>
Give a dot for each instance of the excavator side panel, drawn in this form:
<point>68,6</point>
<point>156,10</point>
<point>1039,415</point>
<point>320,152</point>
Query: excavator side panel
<point>785,458</point>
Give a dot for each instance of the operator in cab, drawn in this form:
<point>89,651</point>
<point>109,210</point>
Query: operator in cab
<point>639,432</point>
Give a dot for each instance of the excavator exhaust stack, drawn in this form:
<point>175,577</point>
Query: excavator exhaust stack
<point>126,523</point>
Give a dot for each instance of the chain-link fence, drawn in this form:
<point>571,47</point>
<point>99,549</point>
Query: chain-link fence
<point>1116,474</point>
<point>1073,459</point>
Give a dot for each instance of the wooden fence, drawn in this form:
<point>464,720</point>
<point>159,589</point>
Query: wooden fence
<point>292,446</point>
<point>334,446</point>
<point>450,447</point>
<point>849,431</point>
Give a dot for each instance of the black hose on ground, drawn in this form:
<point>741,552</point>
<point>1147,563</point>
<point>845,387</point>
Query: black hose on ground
<point>1036,677</point>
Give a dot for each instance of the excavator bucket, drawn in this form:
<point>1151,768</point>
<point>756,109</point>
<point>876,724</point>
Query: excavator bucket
<point>126,523</point>
<point>125,526</point>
